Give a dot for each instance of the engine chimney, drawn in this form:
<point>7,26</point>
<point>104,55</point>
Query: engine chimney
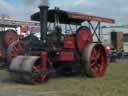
<point>43,19</point>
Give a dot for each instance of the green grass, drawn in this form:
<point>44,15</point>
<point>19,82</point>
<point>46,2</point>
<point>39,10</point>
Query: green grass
<point>115,83</point>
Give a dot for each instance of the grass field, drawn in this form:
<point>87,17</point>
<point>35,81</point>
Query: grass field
<point>115,83</point>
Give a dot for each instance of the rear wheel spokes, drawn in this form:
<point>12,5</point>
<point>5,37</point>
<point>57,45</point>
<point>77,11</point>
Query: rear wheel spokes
<point>100,64</point>
<point>95,57</point>
<point>101,69</point>
<point>94,53</point>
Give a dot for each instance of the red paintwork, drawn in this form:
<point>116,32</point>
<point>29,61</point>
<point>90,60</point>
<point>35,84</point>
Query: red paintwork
<point>23,29</point>
<point>44,62</point>
<point>84,37</point>
<point>65,56</point>
<point>69,42</point>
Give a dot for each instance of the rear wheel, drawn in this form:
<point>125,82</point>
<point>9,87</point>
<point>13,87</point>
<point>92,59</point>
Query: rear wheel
<point>9,37</point>
<point>95,60</point>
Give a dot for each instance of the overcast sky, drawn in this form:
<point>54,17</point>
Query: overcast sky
<point>22,9</point>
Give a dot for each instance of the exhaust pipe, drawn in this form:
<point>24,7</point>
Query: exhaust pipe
<point>44,5</point>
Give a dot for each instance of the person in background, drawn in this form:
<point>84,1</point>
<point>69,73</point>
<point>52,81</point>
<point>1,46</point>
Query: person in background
<point>107,50</point>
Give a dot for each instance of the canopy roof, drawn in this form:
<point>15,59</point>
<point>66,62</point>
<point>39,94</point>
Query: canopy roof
<point>66,17</point>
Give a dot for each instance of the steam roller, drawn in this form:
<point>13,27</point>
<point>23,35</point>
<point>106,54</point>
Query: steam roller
<point>54,52</point>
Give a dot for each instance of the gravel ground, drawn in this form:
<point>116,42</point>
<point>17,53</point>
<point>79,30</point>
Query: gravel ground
<point>18,93</point>
<point>10,91</point>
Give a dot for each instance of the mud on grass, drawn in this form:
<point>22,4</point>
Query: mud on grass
<point>115,83</point>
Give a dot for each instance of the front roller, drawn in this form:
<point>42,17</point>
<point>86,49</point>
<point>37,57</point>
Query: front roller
<point>26,69</point>
<point>15,68</point>
<point>94,60</point>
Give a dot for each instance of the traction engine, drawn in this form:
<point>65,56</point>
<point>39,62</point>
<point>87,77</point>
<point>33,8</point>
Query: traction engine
<point>6,38</point>
<point>58,52</point>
